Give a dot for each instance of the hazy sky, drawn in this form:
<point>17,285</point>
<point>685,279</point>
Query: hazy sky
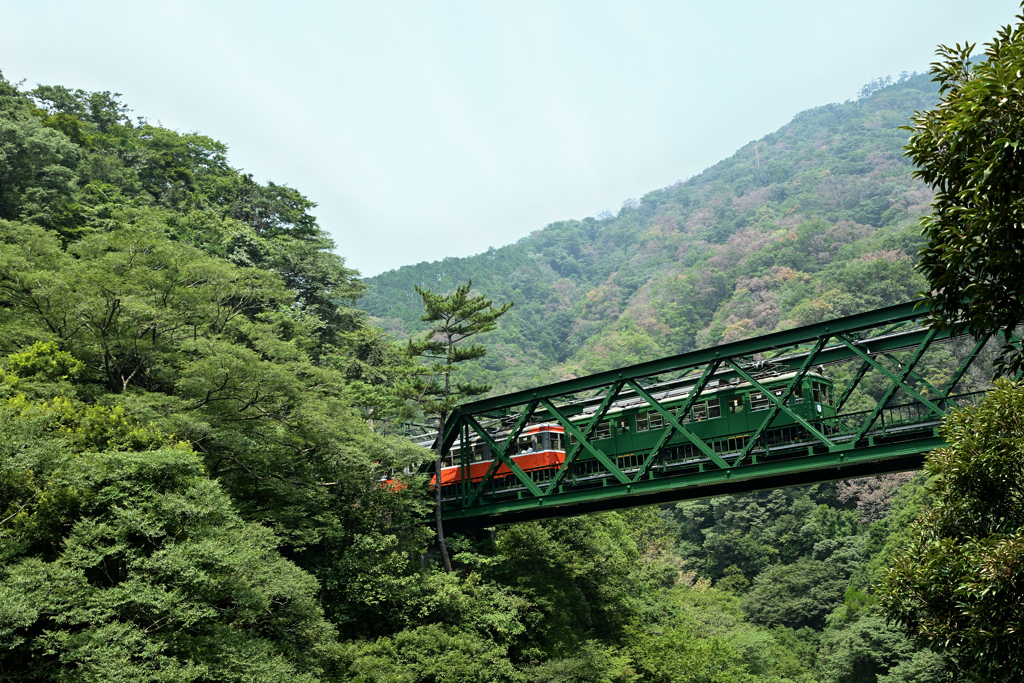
<point>433,129</point>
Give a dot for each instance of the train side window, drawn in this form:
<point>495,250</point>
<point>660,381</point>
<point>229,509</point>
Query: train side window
<point>450,459</point>
<point>758,401</point>
<point>735,405</point>
<point>622,424</point>
<point>557,442</point>
<point>821,392</point>
<point>714,409</point>
<point>651,420</point>
<point>798,392</point>
<point>700,412</point>
<point>603,431</point>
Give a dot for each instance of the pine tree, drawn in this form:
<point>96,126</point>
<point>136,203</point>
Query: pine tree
<point>455,317</point>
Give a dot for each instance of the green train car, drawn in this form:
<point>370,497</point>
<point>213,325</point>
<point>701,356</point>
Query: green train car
<point>725,417</point>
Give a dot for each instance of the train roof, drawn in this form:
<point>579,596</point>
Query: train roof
<point>670,390</point>
<point>679,391</point>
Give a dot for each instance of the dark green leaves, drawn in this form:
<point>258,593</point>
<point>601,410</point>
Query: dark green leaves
<point>968,150</point>
<point>958,584</point>
<point>147,572</point>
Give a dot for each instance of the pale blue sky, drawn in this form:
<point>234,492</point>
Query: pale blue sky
<point>433,129</point>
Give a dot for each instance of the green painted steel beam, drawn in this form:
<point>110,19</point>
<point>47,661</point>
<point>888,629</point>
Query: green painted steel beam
<point>572,452</point>
<point>570,428</point>
<point>813,468</point>
<point>837,353</point>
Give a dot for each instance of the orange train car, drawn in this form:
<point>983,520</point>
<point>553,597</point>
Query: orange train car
<point>540,450</point>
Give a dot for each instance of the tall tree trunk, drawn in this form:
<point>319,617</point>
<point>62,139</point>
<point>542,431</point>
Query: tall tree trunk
<point>437,498</point>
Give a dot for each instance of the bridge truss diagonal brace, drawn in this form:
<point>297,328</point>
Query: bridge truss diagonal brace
<point>775,399</point>
<point>898,382</point>
<point>499,455</point>
<point>848,392</point>
<point>915,375</point>
<point>684,409</point>
<point>572,453</point>
<point>496,462</point>
<point>891,315</point>
<point>676,426</point>
<point>777,407</point>
<point>960,371</point>
<point>593,450</point>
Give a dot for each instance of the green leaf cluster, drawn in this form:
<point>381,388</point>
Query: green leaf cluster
<point>968,150</point>
<point>957,584</point>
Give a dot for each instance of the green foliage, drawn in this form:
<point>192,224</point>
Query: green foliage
<point>680,655</point>
<point>587,585</point>
<point>866,650</point>
<point>455,317</point>
<point>967,150</point>
<point>36,169</point>
<point>134,566</point>
<point>45,361</point>
<point>155,299</point>
<point>749,533</point>
<point>957,585</point>
<point>428,654</point>
<point>796,595</point>
<point>592,663</point>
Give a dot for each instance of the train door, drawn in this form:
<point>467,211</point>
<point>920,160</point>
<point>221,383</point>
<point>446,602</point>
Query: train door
<point>623,432</point>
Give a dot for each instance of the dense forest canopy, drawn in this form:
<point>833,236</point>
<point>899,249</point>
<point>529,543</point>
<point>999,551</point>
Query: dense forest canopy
<point>195,420</point>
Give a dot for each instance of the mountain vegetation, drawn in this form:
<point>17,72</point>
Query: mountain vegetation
<point>199,402</point>
<point>816,220</point>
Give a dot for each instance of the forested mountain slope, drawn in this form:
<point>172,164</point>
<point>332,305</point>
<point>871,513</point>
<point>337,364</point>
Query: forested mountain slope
<point>815,220</point>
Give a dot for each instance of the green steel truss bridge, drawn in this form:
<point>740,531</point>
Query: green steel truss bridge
<point>915,373</point>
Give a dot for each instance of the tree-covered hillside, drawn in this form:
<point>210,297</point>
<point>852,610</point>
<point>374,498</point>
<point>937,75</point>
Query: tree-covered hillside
<point>815,220</point>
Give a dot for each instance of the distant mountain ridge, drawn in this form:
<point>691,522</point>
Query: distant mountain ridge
<point>815,220</point>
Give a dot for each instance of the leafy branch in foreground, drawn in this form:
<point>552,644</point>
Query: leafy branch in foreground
<point>958,586</point>
<point>968,150</point>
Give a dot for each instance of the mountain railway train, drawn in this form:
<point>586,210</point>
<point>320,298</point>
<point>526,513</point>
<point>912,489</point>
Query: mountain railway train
<point>725,417</point>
